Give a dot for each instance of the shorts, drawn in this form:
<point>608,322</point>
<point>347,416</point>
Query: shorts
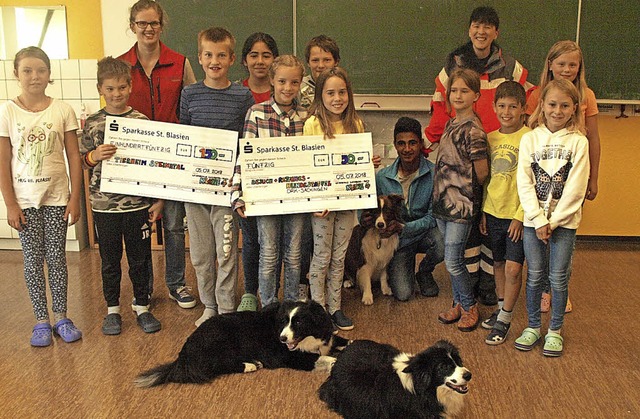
<point>502,246</point>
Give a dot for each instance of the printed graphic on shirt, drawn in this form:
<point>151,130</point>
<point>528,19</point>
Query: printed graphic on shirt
<point>504,161</point>
<point>549,187</point>
<point>35,146</point>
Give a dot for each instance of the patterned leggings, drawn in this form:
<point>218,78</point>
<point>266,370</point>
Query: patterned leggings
<point>44,237</point>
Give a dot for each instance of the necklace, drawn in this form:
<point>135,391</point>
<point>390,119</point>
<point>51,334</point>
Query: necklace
<point>35,110</point>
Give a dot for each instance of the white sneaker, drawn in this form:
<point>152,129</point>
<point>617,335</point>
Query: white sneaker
<point>206,315</point>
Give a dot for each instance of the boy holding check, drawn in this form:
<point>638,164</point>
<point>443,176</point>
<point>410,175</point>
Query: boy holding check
<point>214,102</point>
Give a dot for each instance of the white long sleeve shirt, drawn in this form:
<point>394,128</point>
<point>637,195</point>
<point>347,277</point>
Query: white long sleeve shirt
<point>553,172</point>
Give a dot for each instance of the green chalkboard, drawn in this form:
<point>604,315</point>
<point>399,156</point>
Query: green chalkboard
<point>241,17</point>
<point>398,47</point>
<point>610,41</point>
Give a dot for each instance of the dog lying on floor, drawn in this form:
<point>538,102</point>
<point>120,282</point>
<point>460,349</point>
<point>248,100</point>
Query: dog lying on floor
<point>297,335</point>
<point>373,380</point>
<point>372,246</point>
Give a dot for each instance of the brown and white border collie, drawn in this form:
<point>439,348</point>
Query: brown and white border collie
<point>369,254</point>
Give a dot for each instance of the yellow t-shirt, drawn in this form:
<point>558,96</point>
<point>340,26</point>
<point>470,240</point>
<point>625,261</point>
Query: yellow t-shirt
<point>312,127</point>
<point>501,190</point>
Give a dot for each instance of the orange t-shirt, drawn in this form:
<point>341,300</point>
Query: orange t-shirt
<point>589,106</point>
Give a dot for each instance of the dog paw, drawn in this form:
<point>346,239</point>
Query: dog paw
<point>252,367</point>
<point>347,283</point>
<point>324,363</point>
<point>386,290</point>
<point>367,299</point>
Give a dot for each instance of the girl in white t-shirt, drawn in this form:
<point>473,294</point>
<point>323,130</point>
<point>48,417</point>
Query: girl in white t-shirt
<point>37,132</point>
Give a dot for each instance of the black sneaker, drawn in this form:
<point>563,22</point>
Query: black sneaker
<point>148,323</point>
<point>341,321</point>
<point>112,324</point>
<point>182,296</point>
<point>427,285</point>
<point>498,334</point>
<point>487,297</point>
<point>488,323</point>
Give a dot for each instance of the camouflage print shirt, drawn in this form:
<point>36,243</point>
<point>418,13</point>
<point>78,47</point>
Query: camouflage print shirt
<point>92,137</point>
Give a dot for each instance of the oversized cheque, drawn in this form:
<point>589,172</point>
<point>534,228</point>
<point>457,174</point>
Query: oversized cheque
<point>286,175</point>
<point>170,161</point>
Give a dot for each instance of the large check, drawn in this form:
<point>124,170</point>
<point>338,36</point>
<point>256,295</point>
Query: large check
<point>287,175</point>
<point>169,161</point>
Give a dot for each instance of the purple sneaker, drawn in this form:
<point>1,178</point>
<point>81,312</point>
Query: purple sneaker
<point>41,335</point>
<point>67,330</point>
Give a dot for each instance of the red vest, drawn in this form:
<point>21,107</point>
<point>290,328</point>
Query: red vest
<point>158,96</point>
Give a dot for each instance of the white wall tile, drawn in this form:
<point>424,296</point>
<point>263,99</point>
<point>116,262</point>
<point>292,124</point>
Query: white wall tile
<point>2,74</point>
<point>13,89</point>
<point>8,69</point>
<point>3,211</point>
<point>55,89</point>
<point>88,69</point>
<point>70,88</point>
<point>88,89</point>
<point>55,70</point>
<point>69,69</point>
<point>3,90</point>
<point>5,230</point>
<point>92,106</point>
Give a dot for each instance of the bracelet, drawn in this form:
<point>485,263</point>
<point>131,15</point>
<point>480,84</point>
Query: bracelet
<point>89,160</point>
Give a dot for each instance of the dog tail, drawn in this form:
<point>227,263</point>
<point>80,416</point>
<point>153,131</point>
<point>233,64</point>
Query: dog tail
<point>156,376</point>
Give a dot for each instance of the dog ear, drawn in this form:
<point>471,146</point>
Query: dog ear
<point>397,201</point>
<point>321,318</point>
<point>272,308</point>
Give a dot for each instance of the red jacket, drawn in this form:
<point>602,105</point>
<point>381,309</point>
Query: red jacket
<point>158,96</point>
<point>498,68</point>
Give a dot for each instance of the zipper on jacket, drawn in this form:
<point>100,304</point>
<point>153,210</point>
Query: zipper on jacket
<point>153,108</point>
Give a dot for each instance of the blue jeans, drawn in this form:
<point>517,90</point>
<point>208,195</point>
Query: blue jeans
<point>276,232</point>
<point>558,260</point>
<point>174,248</point>
<point>251,256</point>
<point>401,269</point>
<point>455,240</point>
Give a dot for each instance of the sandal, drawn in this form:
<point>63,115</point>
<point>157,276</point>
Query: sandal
<point>41,335</point>
<point>553,344</point>
<point>67,331</point>
<point>569,306</point>
<point>527,340</point>
<point>248,302</point>
<point>545,302</point>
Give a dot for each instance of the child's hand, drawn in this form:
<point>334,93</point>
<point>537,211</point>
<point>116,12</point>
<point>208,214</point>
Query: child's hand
<point>366,220</point>
<point>483,224</point>
<point>592,189</point>
<point>72,212</point>
<point>515,230</point>
<point>543,233</point>
<point>376,160</point>
<point>240,211</point>
<point>103,152</point>
<point>322,214</point>
<point>393,228</point>
<point>155,210</point>
<point>15,217</point>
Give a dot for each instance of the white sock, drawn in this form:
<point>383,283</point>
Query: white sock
<point>113,310</point>
<point>207,314</point>
<point>505,316</point>
<point>500,303</point>
<point>140,309</point>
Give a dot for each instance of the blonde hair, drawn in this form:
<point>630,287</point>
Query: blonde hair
<point>285,61</point>
<point>558,49</point>
<point>350,119</point>
<point>216,34</point>
<point>576,123</point>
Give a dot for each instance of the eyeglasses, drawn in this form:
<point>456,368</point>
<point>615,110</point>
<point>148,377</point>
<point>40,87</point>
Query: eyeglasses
<point>143,24</point>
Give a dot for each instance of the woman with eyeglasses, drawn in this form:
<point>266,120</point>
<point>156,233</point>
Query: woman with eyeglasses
<point>158,75</point>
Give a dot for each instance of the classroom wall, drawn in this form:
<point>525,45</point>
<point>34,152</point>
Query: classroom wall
<point>83,22</point>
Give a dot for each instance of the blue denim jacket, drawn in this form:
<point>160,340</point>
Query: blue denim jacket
<point>417,216</point>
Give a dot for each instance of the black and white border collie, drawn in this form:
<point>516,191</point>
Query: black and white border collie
<point>368,254</point>
<point>373,380</point>
<point>297,335</point>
